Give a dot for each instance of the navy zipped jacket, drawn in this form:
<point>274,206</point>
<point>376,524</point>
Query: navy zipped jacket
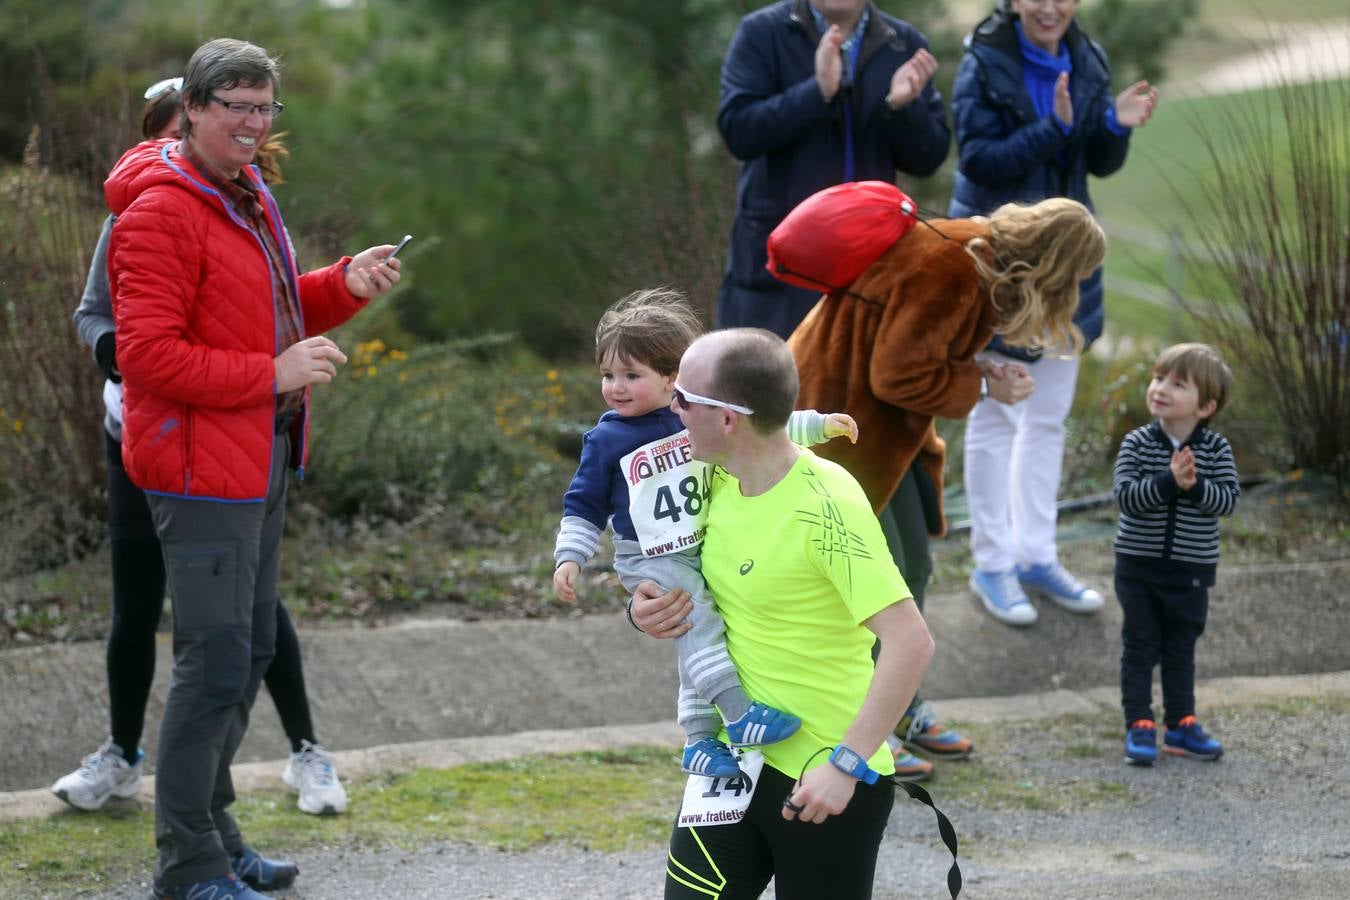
<point>1006,153</point>
<point>790,140</point>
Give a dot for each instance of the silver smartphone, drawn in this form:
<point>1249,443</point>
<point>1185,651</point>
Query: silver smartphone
<point>401,244</point>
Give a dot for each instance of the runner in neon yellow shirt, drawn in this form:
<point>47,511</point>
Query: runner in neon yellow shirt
<point>801,574</point>
<point>796,571</point>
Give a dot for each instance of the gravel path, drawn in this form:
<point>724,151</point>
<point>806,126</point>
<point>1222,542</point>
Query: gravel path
<point>1270,819</point>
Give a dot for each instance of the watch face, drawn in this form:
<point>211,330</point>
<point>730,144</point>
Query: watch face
<point>848,759</point>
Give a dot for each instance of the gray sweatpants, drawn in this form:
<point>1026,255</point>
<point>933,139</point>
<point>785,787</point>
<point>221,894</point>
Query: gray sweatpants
<point>706,669</point>
<point>222,562</point>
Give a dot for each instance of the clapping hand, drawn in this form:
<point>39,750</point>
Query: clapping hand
<point>1135,104</point>
<point>1183,468</point>
<point>1063,102</point>
<point>830,62</point>
<point>910,79</point>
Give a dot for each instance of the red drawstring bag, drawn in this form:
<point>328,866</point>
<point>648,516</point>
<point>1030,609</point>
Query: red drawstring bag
<point>835,234</point>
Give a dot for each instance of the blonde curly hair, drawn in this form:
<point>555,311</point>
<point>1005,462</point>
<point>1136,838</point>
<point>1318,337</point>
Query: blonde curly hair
<point>1032,262</point>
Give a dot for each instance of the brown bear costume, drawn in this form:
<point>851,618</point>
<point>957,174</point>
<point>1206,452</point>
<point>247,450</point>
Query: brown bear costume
<point>897,350</point>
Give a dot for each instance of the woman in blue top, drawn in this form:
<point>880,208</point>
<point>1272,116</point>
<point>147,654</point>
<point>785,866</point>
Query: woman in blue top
<point>1034,116</point>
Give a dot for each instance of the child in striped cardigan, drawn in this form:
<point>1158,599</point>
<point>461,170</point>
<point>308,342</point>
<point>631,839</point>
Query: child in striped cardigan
<point>1173,479</point>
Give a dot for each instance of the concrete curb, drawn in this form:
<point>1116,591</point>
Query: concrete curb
<point>359,764</point>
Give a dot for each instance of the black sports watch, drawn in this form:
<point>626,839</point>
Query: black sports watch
<point>848,761</point>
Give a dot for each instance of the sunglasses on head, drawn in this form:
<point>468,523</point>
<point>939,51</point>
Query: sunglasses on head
<point>685,397</point>
<point>160,88</point>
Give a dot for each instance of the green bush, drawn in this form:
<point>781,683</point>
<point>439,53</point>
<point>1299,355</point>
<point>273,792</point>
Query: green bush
<point>399,431</point>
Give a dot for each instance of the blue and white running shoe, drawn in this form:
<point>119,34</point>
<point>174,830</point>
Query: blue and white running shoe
<point>710,757</point>
<point>762,725</point>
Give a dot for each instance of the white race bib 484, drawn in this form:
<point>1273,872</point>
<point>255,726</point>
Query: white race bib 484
<point>668,494</point>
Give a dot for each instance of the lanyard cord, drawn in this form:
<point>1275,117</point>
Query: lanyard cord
<point>945,829</point>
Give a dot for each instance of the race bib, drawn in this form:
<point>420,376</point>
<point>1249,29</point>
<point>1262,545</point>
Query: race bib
<point>668,494</point>
<point>721,801</point>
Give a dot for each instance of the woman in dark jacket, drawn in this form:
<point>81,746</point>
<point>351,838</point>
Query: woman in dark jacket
<point>1034,116</point>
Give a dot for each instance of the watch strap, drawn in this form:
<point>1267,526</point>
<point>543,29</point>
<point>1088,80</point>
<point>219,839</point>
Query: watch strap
<point>859,770</point>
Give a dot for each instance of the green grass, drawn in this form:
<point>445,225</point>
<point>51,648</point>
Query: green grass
<point>605,802</point>
<point>1168,161</point>
<point>1161,195</point>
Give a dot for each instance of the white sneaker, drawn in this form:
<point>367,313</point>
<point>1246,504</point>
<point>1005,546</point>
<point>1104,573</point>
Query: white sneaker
<point>311,773</point>
<point>103,774</point>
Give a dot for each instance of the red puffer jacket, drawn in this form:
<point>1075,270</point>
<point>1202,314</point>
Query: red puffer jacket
<point>196,330</point>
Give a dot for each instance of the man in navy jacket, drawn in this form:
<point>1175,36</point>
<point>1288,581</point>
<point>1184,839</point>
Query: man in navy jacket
<point>816,94</point>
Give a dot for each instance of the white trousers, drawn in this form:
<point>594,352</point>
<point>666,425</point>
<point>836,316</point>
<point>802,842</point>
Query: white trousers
<point>1013,459</point>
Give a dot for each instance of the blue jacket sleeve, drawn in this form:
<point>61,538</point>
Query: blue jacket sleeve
<point>755,115</point>
<point>1106,150</point>
<point>587,496</point>
<point>989,154</point>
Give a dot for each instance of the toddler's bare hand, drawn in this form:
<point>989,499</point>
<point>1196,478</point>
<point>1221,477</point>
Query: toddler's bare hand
<point>841,424</point>
<point>1183,468</point>
<point>565,582</point>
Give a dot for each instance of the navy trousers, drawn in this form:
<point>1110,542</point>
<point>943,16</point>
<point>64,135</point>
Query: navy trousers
<point>1162,624</point>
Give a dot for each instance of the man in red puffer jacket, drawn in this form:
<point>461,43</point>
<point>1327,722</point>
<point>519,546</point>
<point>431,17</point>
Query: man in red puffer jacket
<point>212,320</point>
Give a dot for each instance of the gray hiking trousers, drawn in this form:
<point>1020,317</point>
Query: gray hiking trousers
<point>222,561</point>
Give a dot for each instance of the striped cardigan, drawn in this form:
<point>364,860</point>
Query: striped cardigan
<point>1166,534</point>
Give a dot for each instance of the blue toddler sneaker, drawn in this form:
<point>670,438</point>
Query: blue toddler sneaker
<point>1189,739</point>
<point>762,725</point>
<point>710,757</point>
<point>223,887</point>
<point>260,873</point>
<point>1141,743</point>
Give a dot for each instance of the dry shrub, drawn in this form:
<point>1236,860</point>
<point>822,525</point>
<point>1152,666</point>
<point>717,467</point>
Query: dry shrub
<point>51,493</point>
<point>1272,257</point>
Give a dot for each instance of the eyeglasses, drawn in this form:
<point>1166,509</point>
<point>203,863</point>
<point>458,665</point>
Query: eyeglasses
<point>241,108</point>
<point>160,88</point>
<point>685,397</point>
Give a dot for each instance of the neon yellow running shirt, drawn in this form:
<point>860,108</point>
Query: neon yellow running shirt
<point>795,572</point>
